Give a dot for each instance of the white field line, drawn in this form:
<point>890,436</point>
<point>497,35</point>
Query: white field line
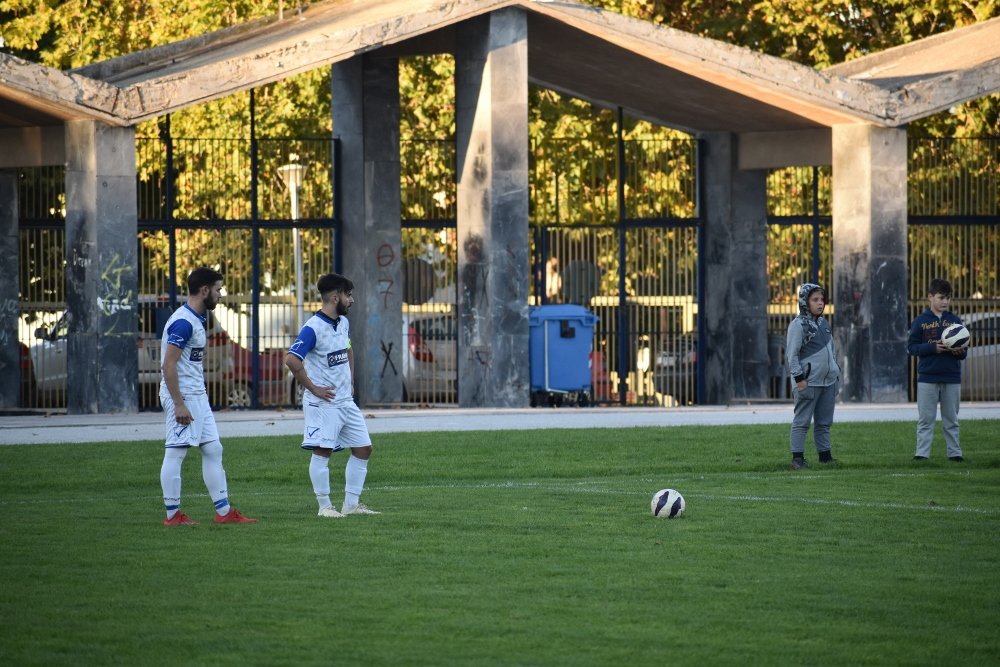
<point>588,487</point>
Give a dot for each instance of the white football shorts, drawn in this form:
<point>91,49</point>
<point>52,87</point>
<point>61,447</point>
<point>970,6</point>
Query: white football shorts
<point>202,429</point>
<point>333,426</point>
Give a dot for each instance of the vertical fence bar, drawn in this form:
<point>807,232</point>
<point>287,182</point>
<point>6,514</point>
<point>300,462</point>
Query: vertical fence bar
<point>168,213</point>
<point>338,258</point>
<point>815,228</point>
<point>623,362</point>
<point>255,257</point>
<point>702,276</point>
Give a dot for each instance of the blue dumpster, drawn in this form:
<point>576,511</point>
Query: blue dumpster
<point>559,344</point>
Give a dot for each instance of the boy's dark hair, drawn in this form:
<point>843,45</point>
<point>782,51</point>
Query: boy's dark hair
<point>939,286</point>
<point>333,282</point>
<point>202,277</point>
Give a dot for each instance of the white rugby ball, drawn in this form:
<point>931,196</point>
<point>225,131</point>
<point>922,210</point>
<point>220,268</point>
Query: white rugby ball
<point>955,336</point>
<point>667,504</point>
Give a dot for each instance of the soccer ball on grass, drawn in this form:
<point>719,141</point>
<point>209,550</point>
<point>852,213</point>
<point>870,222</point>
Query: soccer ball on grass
<point>955,337</point>
<point>667,504</point>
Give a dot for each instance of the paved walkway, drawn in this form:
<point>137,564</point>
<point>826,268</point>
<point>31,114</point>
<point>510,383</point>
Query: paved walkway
<point>51,429</point>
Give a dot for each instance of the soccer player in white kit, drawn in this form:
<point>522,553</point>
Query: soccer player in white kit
<point>188,416</point>
<point>322,361</point>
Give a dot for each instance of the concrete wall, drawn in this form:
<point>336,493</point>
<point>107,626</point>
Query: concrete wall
<point>10,307</point>
<point>491,91</point>
<point>101,275</point>
<point>365,92</point>
<point>870,261</point>
<point>735,356</point>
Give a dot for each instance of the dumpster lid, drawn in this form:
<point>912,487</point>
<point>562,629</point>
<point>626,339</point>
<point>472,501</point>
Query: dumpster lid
<point>561,311</point>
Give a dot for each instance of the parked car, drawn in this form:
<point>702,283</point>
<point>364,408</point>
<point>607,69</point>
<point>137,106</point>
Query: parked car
<point>430,365</point>
<point>228,366</point>
<point>276,383</point>
<point>675,368</point>
<point>981,368</point>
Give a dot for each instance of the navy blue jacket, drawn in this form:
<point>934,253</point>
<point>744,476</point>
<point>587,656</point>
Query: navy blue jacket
<point>924,333</point>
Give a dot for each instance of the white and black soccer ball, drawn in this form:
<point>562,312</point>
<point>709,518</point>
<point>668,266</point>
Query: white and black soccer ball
<point>667,504</point>
<point>955,336</point>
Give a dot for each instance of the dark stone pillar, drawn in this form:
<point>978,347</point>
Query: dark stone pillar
<point>870,320</point>
<point>736,294</point>
<point>10,304</point>
<point>365,91</point>
<point>102,363</point>
<point>491,117</point>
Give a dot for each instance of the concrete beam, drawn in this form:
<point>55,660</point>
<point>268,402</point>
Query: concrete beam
<point>54,95</point>
<point>931,95</point>
<point>33,147</point>
<point>775,150</point>
<point>208,67</point>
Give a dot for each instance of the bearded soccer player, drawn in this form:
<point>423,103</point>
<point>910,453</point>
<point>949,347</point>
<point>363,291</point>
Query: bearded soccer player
<point>188,416</point>
<point>322,361</point>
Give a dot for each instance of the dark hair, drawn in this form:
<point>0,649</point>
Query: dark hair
<point>333,282</point>
<point>939,286</point>
<point>202,277</point>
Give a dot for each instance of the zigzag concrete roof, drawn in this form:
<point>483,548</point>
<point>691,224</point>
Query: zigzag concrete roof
<point>664,75</point>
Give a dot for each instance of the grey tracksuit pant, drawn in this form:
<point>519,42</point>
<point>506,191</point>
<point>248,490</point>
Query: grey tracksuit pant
<point>813,404</point>
<point>929,394</point>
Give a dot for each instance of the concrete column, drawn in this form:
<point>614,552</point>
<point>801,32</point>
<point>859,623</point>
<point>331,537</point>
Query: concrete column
<point>869,261</point>
<point>735,355</point>
<point>491,117</point>
<point>101,269</point>
<point>365,92</point>
<point>10,304</point>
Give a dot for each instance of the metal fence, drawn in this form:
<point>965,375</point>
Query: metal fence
<point>225,205</point>
<point>621,239</point>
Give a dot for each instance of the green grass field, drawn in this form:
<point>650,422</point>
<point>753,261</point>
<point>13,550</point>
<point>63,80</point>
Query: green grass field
<point>512,548</point>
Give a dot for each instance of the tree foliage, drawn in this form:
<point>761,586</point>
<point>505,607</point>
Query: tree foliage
<point>572,142</point>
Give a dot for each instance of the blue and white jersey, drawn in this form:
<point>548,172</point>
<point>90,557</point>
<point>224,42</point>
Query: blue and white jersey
<point>186,330</point>
<point>322,346</point>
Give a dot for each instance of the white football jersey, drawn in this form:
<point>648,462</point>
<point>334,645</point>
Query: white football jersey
<point>322,346</point>
<point>186,330</point>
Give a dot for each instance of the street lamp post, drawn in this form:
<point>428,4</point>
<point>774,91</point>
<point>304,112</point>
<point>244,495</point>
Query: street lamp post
<point>293,174</point>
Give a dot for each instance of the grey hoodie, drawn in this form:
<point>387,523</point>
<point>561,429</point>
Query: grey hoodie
<point>809,345</point>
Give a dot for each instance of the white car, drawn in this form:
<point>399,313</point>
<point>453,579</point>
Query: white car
<point>430,365</point>
<point>48,356</point>
<point>981,368</point>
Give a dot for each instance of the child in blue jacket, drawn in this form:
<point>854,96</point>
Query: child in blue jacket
<point>939,372</point>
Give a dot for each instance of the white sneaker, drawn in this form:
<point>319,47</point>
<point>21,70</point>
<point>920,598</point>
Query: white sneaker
<point>330,512</point>
<point>360,508</point>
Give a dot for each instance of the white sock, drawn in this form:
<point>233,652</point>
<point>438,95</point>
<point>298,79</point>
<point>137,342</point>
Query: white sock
<point>214,476</point>
<point>170,479</point>
<point>354,480</point>
<point>319,473</point>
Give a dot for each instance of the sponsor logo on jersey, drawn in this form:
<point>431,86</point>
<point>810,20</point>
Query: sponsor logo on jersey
<point>338,358</point>
<point>197,353</point>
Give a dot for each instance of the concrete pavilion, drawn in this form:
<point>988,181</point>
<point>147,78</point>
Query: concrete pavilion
<point>753,112</point>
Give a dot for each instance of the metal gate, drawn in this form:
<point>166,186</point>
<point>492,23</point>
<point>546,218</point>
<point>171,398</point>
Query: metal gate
<point>226,204</point>
<point>613,227</point>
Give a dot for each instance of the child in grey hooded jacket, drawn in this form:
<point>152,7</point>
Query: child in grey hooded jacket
<point>812,363</point>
